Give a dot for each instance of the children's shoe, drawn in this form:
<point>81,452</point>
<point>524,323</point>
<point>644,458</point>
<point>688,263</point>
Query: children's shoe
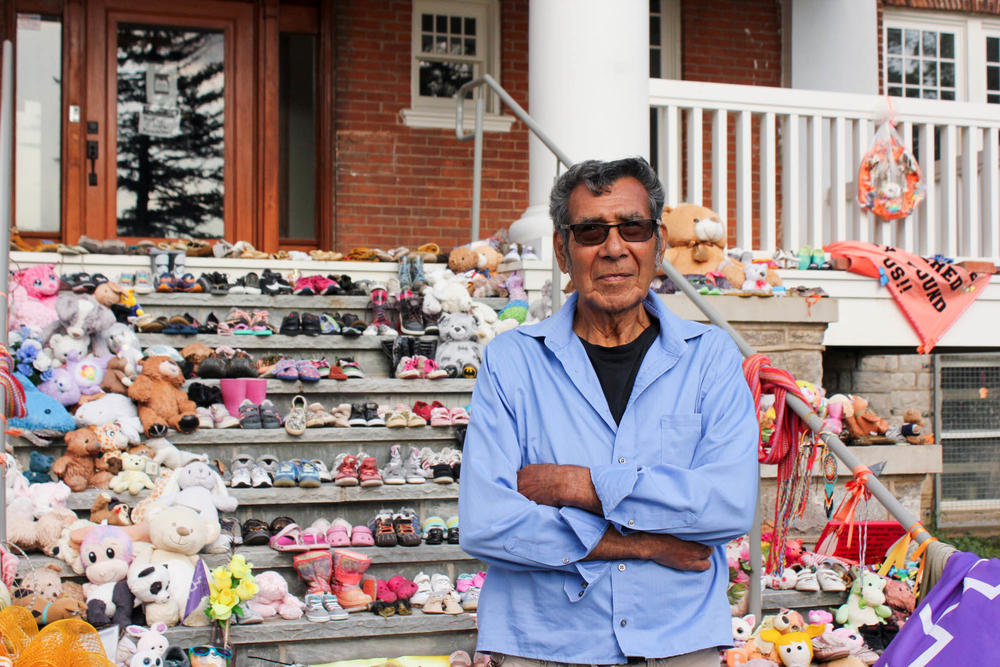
<point>396,419</point>
<point>368,473</point>
<point>328,324</point>
<point>351,368</point>
<point>143,282</point>
<point>393,471</point>
<point>459,415</point>
<point>307,371</point>
<point>430,370</point>
<point>404,522</point>
<point>310,324</point>
<point>249,414</point>
<point>405,275</point>
<point>357,417</point>
<point>308,477</point>
<point>286,369</point>
<point>419,279</point>
<point>528,254</point>
<point>347,470</point>
<point>413,470</point>
<point>440,416</point>
<point>342,415</point>
<point>295,421</point>
<point>317,416</point>
<point>423,584</point>
<point>452,536</point>
<point>408,369</point>
<point>287,475</point>
<point>291,325</point>
<point>269,415</point>
<point>411,319</point>
<point>382,529</point>
<point>379,303</point>
<point>337,373</point>
<point>350,325</point>
<point>304,287</point>
<point>221,417</point>
<point>204,418</point>
<point>315,611</point>
<point>433,530</point>
<point>372,416</point>
<point>322,471</point>
<point>333,608</point>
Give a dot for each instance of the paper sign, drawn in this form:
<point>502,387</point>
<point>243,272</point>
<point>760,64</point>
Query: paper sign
<point>161,86</point>
<point>160,122</point>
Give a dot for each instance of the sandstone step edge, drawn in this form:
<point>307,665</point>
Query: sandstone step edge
<point>237,436</point>
<point>360,386</point>
<point>284,301</point>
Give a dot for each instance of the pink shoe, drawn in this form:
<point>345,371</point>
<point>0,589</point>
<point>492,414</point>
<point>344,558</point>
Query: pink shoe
<point>323,285</point>
<point>459,416</point>
<point>361,536</point>
<point>440,417</point>
<point>430,370</point>
<point>408,369</point>
<point>338,534</point>
<point>304,286</point>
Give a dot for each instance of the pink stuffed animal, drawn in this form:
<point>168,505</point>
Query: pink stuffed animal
<point>33,298</point>
<point>273,597</point>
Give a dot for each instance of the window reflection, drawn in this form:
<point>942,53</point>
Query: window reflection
<point>171,115</point>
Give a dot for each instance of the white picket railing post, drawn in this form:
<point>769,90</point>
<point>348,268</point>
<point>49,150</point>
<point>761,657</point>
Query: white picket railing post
<point>768,182</point>
<point>948,225</point>
<point>814,224</point>
<point>791,195</point>
<point>694,161</point>
<point>906,228</point>
<point>991,193</point>
<point>838,178</point>
<point>720,156</point>
<point>929,208</point>
<point>744,181</point>
<point>969,238</point>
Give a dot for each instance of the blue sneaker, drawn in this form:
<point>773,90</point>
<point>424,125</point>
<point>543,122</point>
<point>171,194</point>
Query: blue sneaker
<point>308,475</point>
<point>287,475</point>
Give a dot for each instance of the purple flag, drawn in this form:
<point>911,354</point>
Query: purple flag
<point>957,622</point>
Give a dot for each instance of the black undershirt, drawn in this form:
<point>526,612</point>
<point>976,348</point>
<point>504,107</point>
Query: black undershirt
<point>616,367</point>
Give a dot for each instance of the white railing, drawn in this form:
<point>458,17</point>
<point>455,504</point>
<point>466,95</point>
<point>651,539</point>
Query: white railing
<point>780,165</point>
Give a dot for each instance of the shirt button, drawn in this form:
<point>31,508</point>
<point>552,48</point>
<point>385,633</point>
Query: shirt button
<point>621,567</point>
<point>621,459</point>
<point>631,522</point>
<point>565,560</point>
<point>624,623</point>
<point>580,594</point>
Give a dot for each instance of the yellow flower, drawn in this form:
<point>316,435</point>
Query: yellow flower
<point>227,597</point>
<point>247,589</point>
<point>221,612</point>
<point>239,567</point>
<point>222,577</point>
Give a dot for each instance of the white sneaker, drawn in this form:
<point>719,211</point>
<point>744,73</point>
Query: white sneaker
<point>222,418</point>
<point>204,418</point>
<point>528,254</point>
<point>423,583</point>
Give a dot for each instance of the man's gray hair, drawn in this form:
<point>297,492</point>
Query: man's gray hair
<point>599,176</point>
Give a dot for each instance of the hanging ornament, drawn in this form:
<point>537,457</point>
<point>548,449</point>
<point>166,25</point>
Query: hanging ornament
<point>889,177</point>
<point>829,481</point>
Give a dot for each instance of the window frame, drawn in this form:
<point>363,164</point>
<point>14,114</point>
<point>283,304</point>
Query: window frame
<point>990,29</point>
<point>440,112</point>
<point>670,39</point>
<point>905,20</point>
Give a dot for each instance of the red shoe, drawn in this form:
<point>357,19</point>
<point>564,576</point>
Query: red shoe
<point>347,470</point>
<point>368,472</point>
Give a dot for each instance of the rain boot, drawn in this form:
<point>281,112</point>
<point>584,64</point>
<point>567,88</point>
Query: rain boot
<point>314,567</point>
<point>348,570</point>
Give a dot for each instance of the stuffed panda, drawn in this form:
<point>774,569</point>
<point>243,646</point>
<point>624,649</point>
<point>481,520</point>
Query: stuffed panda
<point>150,584</point>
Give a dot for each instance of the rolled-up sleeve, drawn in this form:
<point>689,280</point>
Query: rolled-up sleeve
<point>499,525</point>
<point>712,500</point>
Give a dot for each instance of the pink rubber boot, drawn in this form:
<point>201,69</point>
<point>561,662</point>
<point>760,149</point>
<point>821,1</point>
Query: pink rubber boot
<point>256,389</point>
<point>234,390</point>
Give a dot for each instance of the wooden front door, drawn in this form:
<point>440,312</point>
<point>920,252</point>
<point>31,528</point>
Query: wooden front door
<point>169,120</point>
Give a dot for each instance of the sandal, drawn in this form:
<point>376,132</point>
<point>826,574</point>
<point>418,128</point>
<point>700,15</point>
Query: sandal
<point>288,538</point>
<point>338,534</point>
<point>255,532</point>
<point>286,370</point>
<point>259,325</point>
<point>269,415</point>
<point>315,535</point>
<point>295,422</point>
<point>249,414</point>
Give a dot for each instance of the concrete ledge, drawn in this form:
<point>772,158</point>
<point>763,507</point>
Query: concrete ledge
<point>756,308</point>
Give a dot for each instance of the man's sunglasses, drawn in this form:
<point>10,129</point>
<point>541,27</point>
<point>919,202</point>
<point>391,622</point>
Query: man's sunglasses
<point>633,231</point>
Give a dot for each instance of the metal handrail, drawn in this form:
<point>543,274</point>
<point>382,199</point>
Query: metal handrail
<point>477,164</point>
<point>6,207</point>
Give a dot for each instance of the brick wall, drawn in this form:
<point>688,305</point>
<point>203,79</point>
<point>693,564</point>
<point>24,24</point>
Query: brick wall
<point>731,41</point>
<point>397,185</point>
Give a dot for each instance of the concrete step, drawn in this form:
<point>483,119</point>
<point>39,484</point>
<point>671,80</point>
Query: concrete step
<point>773,600</point>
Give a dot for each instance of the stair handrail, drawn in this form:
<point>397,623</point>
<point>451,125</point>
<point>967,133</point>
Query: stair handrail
<point>477,160</point>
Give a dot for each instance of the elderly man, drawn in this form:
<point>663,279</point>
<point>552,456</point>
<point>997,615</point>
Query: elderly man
<point>611,454</point>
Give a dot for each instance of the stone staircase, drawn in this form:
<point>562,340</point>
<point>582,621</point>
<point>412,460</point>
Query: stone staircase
<point>364,634</point>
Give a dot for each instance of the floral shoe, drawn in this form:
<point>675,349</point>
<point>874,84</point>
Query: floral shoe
<point>295,421</point>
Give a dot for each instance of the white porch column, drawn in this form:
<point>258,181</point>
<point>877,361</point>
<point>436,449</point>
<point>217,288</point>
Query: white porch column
<point>588,89</point>
<point>834,45</point>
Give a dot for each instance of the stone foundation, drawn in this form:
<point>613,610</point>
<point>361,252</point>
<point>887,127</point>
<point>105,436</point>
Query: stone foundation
<point>892,383</point>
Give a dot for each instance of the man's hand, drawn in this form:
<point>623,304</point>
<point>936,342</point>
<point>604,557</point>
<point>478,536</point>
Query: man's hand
<point>558,486</point>
<point>675,553</point>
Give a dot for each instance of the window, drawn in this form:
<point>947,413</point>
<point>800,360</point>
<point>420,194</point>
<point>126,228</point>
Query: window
<point>941,56</point>
<point>664,39</point>
<point>920,63</point>
<point>453,43</point>
<point>993,70</point>
<point>38,164</point>
<point>297,131</point>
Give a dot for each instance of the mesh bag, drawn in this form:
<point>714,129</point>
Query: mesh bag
<point>65,643</point>
<point>17,629</point>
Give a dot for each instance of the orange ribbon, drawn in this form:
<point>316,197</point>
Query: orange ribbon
<point>857,490</point>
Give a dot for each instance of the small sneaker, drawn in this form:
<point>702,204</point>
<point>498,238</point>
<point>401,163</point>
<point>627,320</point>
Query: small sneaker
<point>249,414</point>
<point>368,472</point>
<point>143,283</point>
<point>429,370</point>
<point>413,471</point>
<point>315,611</point>
<point>411,319</point>
<point>333,608</point>
<point>528,254</point>
<point>393,471</point>
<point>372,416</point>
<point>357,417</point>
<point>408,369</point>
<point>347,470</point>
<point>204,418</point>
<point>351,368</point>
<point>221,417</point>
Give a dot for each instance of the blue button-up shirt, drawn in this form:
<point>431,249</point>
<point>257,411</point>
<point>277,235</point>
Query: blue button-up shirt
<point>683,461</point>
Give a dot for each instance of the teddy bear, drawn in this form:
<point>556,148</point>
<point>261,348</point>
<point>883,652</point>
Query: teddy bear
<point>117,379</point>
<point>755,277</point>
<point>121,340</point>
<point>82,318</point>
<point>156,390</point>
<point>49,528</point>
<point>696,239</point>
<point>273,598</point>
<point>168,456</point>
<point>43,592</point>
<point>106,553</point>
<point>39,466</point>
<point>32,300</point>
<point>489,324</point>
<point>115,409</point>
<point>150,584</point>
<point>488,258</point>
<point>913,428</point>
<point>112,511</point>
<point>133,477</point>
<point>146,642</point>
<point>78,466</point>
<point>459,351</point>
<point>541,307</point>
<point>864,422</point>
<point>176,535</point>
<point>198,487</point>
<point>62,387</point>
<point>61,346</point>
<point>462,259</point>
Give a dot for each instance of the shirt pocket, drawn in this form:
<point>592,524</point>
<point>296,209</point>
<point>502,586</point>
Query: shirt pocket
<point>679,436</point>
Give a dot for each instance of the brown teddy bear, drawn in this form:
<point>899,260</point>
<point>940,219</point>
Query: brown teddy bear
<point>112,510</point>
<point>49,528</point>
<point>48,598</point>
<point>913,428</point>
<point>156,390</point>
<point>696,241</point>
<point>116,379</point>
<point>462,259</point>
<point>864,422</point>
<point>77,467</point>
